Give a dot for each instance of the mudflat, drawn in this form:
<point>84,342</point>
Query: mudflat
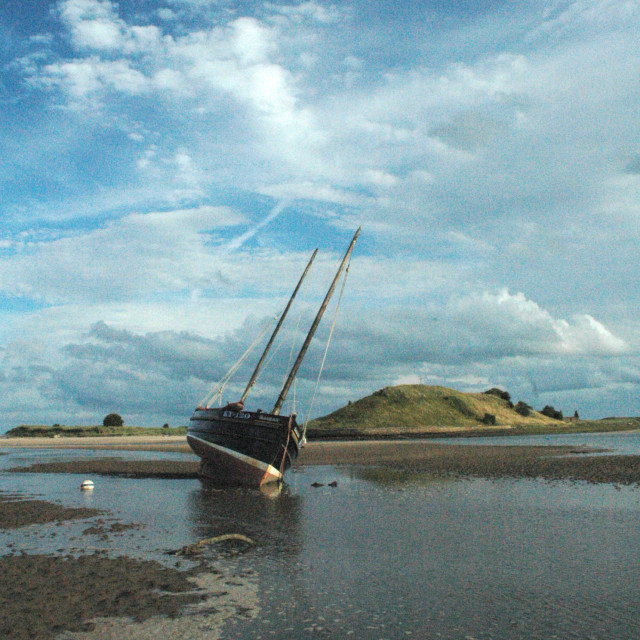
<point>41,595</point>
<point>16,512</point>
<point>490,461</point>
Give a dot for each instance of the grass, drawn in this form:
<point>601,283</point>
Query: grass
<point>61,431</point>
<point>429,411</point>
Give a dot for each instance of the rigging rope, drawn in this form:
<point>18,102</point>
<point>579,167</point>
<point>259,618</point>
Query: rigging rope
<point>227,377</point>
<point>282,341</point>
<point>293,346</point>
<point>303,440</point>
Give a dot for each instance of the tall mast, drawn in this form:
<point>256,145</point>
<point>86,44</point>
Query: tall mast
<point>314,326</point>
<point>254,377</point>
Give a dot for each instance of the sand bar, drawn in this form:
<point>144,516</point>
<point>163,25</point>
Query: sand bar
<point>142,443</point>
<point>488,461</point>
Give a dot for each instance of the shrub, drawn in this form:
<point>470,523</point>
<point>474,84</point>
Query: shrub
<point>550,412</point>
<point>489,418</point>
<point>505,395</point>
<point>522,408</point>
<point>113,420</point>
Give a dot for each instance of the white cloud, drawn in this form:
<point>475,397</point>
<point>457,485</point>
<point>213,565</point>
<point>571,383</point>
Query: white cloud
<point>84,80</point>
<point>236,60</point>
<point>308,190</point>
<point>250,41</point>
<point>325,14</point>
<point>97,34</point>
<point>518,325</point>
<point>136,255</point>
<point>587,16</point>
<point>93,24</point>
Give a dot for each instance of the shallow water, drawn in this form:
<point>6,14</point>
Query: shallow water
<point>384,554</point>
<point>621,442</point>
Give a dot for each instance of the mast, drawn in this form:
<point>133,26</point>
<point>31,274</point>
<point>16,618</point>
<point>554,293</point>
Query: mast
<point>275,331</point>
<point>314,326</point>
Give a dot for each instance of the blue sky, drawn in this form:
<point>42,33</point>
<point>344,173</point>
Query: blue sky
<point>167,168</point>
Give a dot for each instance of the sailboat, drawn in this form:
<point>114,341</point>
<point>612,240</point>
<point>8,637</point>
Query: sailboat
<point>241,447</point>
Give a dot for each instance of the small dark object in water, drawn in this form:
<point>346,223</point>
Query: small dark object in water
<point>198,547</point>
<point>317,484</point>
<point>333,484</point>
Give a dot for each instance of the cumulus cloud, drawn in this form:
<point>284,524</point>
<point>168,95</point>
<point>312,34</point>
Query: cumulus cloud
<point>152,377</point>
<point>510,323</point>
<point>83,79</point>
<point>93,24</point>
<point>475,329</point>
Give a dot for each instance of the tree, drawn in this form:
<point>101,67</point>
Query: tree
<point>522,408</point>
<point>499,393</point>
<point>113,420</point>
<point>550,412</point>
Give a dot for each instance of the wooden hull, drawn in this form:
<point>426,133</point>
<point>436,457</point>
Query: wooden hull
<point>243,447</point>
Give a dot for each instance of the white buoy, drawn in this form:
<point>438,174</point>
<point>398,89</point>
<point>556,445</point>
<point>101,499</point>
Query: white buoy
<point>86,485</point>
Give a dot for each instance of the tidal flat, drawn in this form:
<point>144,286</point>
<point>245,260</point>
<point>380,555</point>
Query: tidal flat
<point>370,540</point>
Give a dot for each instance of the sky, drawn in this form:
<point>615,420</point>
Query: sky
<point>167,168</point>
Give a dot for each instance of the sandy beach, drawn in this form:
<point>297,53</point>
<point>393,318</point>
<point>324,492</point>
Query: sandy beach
<point>128,443</point>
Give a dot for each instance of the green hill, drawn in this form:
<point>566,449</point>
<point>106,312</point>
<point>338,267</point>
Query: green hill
<point>412,410</point>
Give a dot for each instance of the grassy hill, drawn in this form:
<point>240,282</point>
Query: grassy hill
<point>413,410</point>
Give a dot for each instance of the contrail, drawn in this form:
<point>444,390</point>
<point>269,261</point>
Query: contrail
<point>273,214</point>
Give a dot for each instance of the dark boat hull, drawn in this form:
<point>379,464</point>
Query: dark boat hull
<point>243,447</point>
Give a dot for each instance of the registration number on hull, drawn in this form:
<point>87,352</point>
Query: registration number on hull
<point>240,415</point>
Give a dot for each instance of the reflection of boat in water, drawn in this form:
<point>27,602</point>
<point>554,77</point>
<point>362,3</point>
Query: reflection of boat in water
<point>272,521</point>
<point>237,446</point>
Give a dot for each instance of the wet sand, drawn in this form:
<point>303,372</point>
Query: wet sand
<point>16,512</point>
<point>40,596</point>
<point>112,466</point>
<point>488,461</point>
<point>480,461</point>
<point>96,595</point>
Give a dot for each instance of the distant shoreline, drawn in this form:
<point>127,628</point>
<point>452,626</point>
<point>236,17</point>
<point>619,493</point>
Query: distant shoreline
<point>150,443</point>
<point>177,443</point>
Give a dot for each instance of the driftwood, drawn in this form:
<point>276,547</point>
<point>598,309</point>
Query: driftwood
<point>198,547</point>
